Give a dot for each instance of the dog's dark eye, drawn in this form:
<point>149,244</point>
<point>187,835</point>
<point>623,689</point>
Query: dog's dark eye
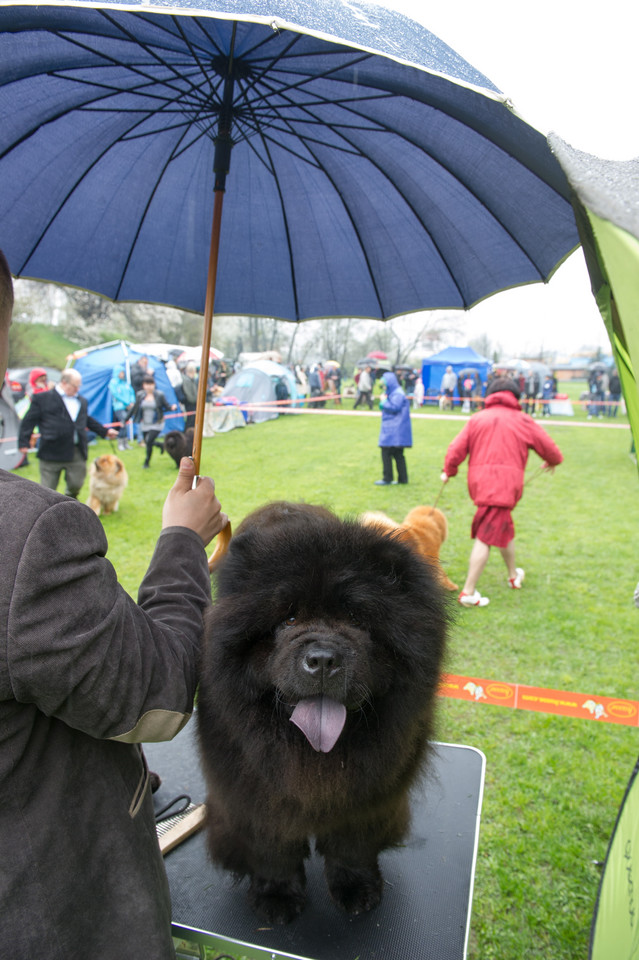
<point>290,621</point>
<point>355,620</point>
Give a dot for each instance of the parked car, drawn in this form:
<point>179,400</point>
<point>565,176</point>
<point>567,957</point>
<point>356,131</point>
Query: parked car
<point>18,379</point>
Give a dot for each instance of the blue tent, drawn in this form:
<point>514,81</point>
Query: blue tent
<point>433,368</point>
<point>96,368</point>
<point>255,383</point>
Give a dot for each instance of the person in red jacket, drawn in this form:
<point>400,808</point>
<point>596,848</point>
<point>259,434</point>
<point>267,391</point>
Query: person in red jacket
<point>496,440</point>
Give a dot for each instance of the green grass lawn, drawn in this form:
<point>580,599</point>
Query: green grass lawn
<point>553,785</point>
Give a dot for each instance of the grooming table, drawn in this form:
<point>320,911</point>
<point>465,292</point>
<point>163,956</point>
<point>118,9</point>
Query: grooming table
<point>425,910</point>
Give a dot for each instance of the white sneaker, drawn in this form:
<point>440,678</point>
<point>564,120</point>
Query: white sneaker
<point>516,581</point>
<point>472,599</point>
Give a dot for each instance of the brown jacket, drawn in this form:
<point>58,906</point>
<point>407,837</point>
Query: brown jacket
<point>85,674</point>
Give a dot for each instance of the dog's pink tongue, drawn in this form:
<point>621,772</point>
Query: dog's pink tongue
<point>321,720</point>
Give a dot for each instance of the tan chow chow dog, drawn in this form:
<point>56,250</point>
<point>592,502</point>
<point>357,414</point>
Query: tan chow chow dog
<point>424,529</point>
<point>107,480</point>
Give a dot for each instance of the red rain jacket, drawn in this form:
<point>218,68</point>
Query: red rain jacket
<point>497,440</point>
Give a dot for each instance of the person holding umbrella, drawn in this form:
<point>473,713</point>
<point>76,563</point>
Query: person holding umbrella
<point>87,674</point>
<point>496,440</point>
<point>395,432</point>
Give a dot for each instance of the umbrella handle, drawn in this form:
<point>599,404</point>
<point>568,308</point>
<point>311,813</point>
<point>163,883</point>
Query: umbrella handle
<point>221,545</point>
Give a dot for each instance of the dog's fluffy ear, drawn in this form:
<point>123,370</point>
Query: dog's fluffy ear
<point>96,463</point>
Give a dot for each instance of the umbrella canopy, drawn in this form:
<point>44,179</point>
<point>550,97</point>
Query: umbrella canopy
<point>607,212</point>
<point>373,172</point>
<point>521,366</point>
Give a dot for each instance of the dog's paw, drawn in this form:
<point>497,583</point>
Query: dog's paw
<point>277,901</point>
<point>354,891</point>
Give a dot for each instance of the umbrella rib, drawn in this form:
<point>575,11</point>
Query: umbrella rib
<point>141,222</point>
<point>355,149</point>
<point>144,46</point>
<point>387,128</point>
<point>85,173</point>
<point>310,78</point>
<point>112,90</point>
<point>360,241</point>
<point>271,167</point>
<point>178,89</point>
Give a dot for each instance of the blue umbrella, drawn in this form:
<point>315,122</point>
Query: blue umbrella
<point>371,171</point>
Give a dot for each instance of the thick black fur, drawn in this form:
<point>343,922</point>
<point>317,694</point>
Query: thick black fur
<point>297,577</point>
<point>178,444</point>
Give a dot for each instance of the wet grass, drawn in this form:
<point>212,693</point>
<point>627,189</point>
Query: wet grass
<point>553,784</point>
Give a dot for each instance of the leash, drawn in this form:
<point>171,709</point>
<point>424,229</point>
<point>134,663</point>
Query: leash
<point>533,475</point>
<point>441,490</point>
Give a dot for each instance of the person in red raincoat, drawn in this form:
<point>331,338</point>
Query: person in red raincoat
<point>496,440</point>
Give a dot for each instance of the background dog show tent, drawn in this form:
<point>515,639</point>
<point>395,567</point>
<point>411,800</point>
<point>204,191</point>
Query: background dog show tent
<point>96,365</point>
<point>459,358</point>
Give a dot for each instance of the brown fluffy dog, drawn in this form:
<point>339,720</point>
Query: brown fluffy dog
<point>424,529</point>
<point>318,684</point>
<point>107,480</point>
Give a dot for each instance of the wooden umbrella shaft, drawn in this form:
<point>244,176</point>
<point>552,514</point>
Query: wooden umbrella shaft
<point>208,325</point>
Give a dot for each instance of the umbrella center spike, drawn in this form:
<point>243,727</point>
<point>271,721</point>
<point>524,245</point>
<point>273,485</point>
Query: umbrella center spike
<point>223,141</point>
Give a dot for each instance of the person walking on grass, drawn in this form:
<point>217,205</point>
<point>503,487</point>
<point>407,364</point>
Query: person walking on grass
<point>86,676</point>
<point>148,410</point>
<point>396,431</point>
<point>62,417</point>
<point>364,389</point>
<point>496,440</point>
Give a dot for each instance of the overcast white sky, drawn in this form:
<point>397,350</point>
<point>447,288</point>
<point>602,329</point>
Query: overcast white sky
<point>569,67</point>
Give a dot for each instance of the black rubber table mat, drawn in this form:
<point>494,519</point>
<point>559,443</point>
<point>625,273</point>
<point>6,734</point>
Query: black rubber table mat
<point>425,910</point>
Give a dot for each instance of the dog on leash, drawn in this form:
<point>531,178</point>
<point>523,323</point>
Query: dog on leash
<point>178,444</point>
<point>107,481</point>
<point>424,529</point>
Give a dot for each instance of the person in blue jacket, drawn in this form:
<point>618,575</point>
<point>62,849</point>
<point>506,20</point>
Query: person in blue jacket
<point>122,400</point>
<point>396,432</point>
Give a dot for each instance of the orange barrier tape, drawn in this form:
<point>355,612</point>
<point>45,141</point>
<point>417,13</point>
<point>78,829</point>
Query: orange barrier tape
<point>540,699</point>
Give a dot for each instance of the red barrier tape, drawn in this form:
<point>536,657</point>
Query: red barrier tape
<point>540,699</point>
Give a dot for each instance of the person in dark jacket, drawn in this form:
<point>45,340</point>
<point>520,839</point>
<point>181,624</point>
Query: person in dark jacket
<point>395,432</point>
<point>496,440</point>
<point>614,395</point>
<point>62,417</point>
<point>86,675</point>
<point>190,386</point>
<point>148,410</point>
<point>139,370</point>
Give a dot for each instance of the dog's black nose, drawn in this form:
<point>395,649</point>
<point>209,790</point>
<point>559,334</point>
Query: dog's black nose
<point>322,659</point>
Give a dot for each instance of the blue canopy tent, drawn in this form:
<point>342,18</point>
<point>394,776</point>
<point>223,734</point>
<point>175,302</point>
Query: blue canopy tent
<point>96,367</point>
<point>459,358</point>
<point>255,383</point>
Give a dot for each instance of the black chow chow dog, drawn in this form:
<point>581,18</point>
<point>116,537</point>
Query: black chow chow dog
<point>319,676</point>
<point>178,444</point>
